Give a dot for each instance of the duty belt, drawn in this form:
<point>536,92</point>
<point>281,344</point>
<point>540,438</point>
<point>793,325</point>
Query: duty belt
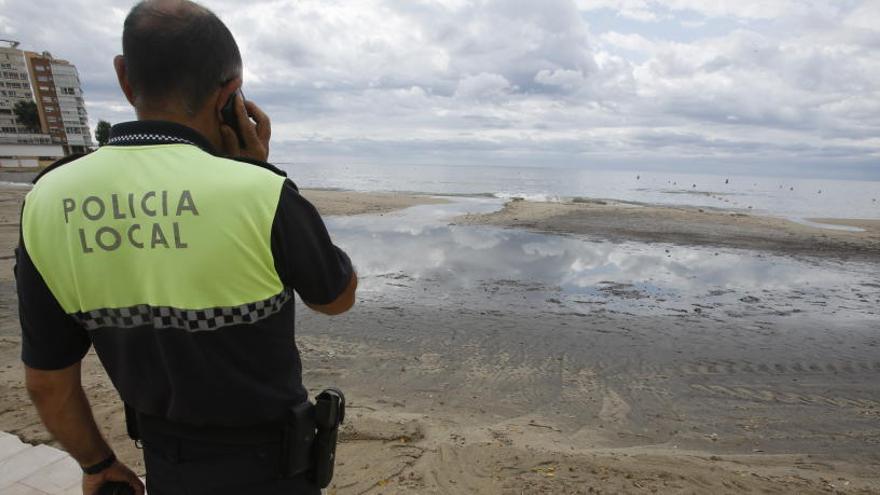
<point>308,434</point>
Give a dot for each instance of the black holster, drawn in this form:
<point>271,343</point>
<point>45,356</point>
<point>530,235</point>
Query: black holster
<point>329,414</point>
<point>310,434</point>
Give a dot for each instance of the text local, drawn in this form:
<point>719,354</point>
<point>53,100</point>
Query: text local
<point>131,206</point>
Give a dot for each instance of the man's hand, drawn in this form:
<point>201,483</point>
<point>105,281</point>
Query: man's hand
<point>256,136</point>
<point>91,483</point>
<point>62,404</point>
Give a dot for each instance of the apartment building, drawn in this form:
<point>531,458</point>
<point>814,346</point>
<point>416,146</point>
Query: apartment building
<point>20,146</point>
<point>54,85</point>
<point>14,87</point>
<point>58,93</point>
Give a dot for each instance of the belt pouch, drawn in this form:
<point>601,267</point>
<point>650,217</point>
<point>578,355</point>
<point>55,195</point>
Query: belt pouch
<point>299,438</point>
<point>131,423</point>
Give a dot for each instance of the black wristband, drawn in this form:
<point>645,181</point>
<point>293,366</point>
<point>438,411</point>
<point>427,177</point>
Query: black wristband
<point>97,468</point>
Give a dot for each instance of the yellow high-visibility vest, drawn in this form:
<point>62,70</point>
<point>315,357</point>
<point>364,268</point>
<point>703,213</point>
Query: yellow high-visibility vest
<point>114,254</point>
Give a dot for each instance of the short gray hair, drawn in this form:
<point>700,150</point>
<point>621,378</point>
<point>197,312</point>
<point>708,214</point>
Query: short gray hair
<point>177,49</point>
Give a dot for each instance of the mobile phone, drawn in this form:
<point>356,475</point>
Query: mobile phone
<point>227,113</point>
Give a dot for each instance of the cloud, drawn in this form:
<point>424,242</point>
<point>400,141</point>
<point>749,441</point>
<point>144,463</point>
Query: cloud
<point>483,86</point>
<point>653,10</point>
<point>563,79</point>
<point>788,83</point>
<point>639,10</point>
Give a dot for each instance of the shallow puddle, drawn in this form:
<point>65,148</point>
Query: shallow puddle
<point>415,256</point>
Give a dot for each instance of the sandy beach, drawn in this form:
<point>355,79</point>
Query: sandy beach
<point>497,396</point>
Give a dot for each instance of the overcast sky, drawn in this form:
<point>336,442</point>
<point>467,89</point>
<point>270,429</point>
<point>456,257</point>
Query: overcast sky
<point>788,87</point>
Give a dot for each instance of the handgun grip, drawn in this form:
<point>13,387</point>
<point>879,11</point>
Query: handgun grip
<point>330,408</point>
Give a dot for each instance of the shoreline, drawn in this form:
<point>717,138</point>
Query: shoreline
<point>337,201</point>
<point>14,186</point>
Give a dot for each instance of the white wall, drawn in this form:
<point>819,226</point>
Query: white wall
<point>31,150</point>
<point>19,163</point>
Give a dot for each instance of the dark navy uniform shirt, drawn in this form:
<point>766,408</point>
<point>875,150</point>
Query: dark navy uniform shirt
<point>234,375</point>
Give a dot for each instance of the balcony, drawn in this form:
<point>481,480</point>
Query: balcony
<point>6,138</point>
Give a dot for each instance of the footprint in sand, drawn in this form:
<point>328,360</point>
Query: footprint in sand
<point>614,408</point>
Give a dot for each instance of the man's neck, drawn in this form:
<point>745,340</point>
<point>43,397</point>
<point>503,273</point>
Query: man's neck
<point>203,124</point>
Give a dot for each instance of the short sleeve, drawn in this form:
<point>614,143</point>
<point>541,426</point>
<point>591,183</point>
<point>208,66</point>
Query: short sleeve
<point>51,339</point>
<point>305,257</point>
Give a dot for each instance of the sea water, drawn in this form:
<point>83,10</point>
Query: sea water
<point>776,196</point>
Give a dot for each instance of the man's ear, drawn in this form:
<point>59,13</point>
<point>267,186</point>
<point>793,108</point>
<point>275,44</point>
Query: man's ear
<point>122,75</point>
<point>225,92</point>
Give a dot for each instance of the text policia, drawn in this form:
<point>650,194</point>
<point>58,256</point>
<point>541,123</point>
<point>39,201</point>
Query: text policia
<point>106,236</point>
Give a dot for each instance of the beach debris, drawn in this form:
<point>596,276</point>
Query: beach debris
<point>538,425</point>
<point>626,291</point>
<point>548,472</point>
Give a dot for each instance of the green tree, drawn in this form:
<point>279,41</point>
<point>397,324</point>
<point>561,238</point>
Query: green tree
<point>102,132</point>
<point>27,115</point>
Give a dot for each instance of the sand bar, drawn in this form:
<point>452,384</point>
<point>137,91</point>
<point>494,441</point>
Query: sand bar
<point>688,226</point>
<point>331,202</point>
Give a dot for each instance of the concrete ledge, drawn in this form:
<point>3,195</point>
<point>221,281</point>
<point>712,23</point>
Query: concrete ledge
<point>36,470</point>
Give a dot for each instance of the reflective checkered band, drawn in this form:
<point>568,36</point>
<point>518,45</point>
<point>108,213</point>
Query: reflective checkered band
<point>147,139</point>
<point>184,319</point>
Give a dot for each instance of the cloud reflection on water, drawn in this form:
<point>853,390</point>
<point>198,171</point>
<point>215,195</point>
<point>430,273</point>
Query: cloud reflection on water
<point>452,262</point>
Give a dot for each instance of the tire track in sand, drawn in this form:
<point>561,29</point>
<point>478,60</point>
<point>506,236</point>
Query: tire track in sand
<point>756,394</point>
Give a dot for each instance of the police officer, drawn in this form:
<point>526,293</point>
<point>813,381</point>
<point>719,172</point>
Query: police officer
<point>179,265</point>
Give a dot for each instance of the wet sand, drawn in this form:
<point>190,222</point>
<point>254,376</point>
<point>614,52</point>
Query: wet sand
<point>349,203</point>
<point>688,226</point>
<point>485,394</point>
